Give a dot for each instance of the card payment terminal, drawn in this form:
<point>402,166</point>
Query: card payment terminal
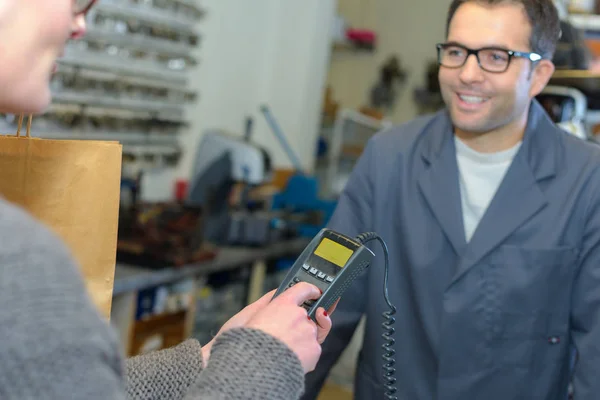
<point>331,262</point>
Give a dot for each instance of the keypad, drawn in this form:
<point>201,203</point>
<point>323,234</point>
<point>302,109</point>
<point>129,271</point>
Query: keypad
<point>318,274</point>
<point>294,281</point>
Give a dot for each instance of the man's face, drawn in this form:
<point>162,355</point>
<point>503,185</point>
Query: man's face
<point>480,101</point>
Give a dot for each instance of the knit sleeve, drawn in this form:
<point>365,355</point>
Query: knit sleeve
<point>54,343</point>
<point>249,364</point>
<point>165,374</point>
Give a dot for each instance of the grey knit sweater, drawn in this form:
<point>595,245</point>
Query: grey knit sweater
<point>55,345</point>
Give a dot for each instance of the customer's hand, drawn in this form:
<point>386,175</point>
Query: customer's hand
<point>241,319</point>
<point>285,320</point>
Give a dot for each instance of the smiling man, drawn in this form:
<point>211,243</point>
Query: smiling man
<point>492,218</point>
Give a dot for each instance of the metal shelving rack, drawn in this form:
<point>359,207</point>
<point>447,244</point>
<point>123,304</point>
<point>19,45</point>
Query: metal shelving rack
<point>351,132</point>
<point>127,79</point>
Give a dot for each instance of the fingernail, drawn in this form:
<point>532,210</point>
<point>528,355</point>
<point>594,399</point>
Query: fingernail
<point>308,318</point>
<point>325,313</point>
<point>320,291</point>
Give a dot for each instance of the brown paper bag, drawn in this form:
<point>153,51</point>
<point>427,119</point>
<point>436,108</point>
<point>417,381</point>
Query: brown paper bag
<point>73,186</point>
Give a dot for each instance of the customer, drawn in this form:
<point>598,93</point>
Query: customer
<point>492,216</point>
<point>54,344</point>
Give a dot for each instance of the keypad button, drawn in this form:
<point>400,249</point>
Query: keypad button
<point>329,279</point>
<point>305,266</point>
<point>296,279</point>
<point>313,271</point>
<point>321,275</point>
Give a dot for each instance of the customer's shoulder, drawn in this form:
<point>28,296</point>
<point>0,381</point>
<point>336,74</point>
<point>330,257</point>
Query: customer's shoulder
<point>20,232</point>
<point>34,260</point>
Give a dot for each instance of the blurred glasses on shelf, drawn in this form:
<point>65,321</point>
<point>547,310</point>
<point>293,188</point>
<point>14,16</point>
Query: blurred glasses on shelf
<point>89,83</point>
<point>135,26</point>
<point>188,10</point>
<point>97,121</point>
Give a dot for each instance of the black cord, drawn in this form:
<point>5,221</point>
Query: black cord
<point>388,351</point>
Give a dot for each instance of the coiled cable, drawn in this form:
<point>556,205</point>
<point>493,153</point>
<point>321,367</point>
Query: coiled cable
<point>389,371</point>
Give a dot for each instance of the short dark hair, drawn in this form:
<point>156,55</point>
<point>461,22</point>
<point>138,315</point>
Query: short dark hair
<point>542,15</point>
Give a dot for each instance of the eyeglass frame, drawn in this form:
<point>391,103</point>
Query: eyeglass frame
<point>531,56</point>
<point>86,8</point>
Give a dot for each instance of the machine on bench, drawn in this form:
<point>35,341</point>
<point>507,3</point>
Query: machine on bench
<point>222,161</point>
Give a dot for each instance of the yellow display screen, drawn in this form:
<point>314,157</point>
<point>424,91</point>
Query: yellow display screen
<point>333,252</point>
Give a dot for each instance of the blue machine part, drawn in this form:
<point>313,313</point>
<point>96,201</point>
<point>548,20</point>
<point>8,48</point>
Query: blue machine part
<point>301,196</point>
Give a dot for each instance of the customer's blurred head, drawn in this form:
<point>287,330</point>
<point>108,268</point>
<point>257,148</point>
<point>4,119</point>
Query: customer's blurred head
<point>491,90</point>
<point>33,34</point>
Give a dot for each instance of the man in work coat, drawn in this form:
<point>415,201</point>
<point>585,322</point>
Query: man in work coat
<point>492,217</point>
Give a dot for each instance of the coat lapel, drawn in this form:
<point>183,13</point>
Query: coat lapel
<point>519,196</point>
<point>439,182</point>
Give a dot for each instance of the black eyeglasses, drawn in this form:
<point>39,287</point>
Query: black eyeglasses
<point>490,59</point>
<point>82,6</point>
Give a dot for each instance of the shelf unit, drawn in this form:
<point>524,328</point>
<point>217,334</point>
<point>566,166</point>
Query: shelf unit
<point>586,22</point>
<point>348,138</point>
<point>127,79</point>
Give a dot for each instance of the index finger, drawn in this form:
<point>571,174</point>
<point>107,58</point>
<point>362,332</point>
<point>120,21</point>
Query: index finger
<point>300,293</point>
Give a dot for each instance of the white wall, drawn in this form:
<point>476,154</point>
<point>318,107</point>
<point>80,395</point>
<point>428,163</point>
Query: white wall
<point>408,28</point>
<point>258,52</point>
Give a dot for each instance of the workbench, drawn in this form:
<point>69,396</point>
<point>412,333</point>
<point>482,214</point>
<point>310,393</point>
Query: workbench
<point>130,279</point>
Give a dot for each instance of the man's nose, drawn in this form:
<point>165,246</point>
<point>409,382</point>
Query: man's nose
<point>471,71</point>
<point>78,27</point>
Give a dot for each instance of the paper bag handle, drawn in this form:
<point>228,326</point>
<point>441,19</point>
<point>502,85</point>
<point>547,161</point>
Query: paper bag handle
<point>29,119</point>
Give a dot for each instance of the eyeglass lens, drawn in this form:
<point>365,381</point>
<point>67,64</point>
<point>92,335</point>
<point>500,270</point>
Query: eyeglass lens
<point>493,60</point>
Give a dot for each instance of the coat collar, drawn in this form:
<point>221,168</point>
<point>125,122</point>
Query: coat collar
<point>539,143</point>
<point>518,198</point>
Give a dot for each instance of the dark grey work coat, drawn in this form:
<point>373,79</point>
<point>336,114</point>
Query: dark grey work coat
<point>495,319</point>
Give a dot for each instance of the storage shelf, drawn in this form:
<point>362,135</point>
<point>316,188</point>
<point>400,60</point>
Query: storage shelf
<point>122,67</point>
<point>146,14</point>
<point>588,22</point>
<point>133,142</point>
<point>108,76</point>
<point>142,42</point>
<point>126,137</point>
<point>92,111</point>
<point>347,46</point>
<point>127,79</point>
<point>192,4</point>
<point>118,102</point>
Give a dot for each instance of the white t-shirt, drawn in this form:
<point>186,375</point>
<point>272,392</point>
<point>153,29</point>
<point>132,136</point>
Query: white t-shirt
<point>480,175</point>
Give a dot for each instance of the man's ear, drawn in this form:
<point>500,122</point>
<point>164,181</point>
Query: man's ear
<point>540,76</point>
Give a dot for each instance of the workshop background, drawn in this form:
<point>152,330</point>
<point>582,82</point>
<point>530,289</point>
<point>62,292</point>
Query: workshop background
<point>241,121</point>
